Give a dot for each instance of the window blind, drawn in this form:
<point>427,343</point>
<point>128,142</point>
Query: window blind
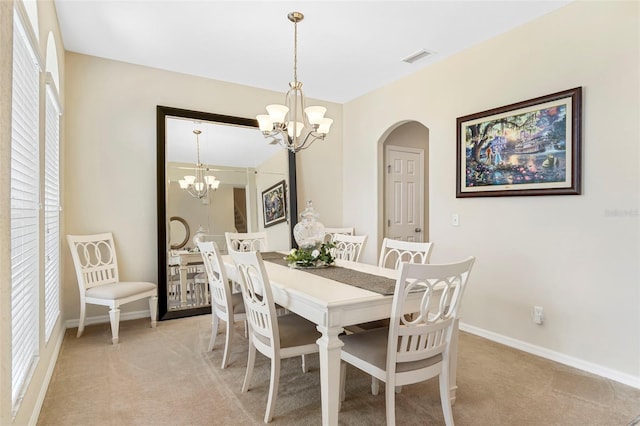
<point>51,212</point>
<point>24,211</point>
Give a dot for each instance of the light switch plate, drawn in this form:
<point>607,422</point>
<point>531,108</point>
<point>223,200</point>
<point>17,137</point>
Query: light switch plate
<point>455,219</point>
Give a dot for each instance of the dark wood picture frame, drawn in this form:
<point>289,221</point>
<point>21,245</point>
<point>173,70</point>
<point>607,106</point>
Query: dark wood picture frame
<point>527,148</point>
<point>274,204</point>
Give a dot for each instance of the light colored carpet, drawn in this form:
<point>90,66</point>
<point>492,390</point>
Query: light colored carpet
<point>166,376</point>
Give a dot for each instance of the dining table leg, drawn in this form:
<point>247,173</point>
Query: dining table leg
<point>330,347</point>
<point>183,283</point>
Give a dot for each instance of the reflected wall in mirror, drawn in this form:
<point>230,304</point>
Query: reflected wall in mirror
<point>179,232</point>
<point>234,151</point>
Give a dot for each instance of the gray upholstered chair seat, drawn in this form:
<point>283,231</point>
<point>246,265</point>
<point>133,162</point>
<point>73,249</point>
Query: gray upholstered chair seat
<point>237,303</point>
<point>294,331</point>
<point>371,346</point>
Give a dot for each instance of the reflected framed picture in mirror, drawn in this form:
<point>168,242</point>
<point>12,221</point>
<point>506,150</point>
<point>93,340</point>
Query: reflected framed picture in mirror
<point>274,204</point>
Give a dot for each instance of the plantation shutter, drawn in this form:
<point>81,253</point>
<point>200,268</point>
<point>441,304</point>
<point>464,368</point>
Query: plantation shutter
<point>24,210</point>
<point>51,211</point>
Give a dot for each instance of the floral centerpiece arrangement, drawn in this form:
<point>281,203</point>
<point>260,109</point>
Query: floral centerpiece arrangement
<point>313,256</point>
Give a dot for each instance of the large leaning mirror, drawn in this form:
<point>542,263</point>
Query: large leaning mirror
<point>245,167</point>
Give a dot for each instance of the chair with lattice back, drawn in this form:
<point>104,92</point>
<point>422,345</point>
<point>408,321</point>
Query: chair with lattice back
<point>96,265</point>
<point>225,306</point>
<point>276,337</point>
<point>246,241</point>
<point>330,232</point>
<point>393,252</point>
<point>416,346</point>
<point>348,247</point>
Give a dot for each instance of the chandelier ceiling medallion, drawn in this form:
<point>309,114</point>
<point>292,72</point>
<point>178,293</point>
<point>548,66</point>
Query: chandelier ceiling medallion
<point>198,186</point>
<point>293,125</point>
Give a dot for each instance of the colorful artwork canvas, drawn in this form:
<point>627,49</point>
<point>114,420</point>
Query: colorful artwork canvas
<point>529,148</point>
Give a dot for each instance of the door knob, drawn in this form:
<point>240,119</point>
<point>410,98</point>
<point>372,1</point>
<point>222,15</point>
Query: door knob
<point>418,229</point>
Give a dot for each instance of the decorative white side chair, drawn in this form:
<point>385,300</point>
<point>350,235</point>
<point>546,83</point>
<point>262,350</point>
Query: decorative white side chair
<point>225,306</point>
<point>393,252</point>
<point>416,346</point>
<point>348,247</point>
<point>94,258</point>
<point>330,232</point>
<point>276,337</point>
<point>246,241</point>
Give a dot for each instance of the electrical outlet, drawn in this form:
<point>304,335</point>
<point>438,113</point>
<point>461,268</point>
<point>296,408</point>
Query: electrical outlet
<point>538,314</point>
<point>455,219</point>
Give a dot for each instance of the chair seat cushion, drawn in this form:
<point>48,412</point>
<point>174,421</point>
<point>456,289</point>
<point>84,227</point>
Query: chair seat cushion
<point>296,331</point>
<point>119,290</point>
<point>371,347</point>
<point>237,304</point>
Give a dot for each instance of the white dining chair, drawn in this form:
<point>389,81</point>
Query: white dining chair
<point>330,232</point>
<point>225,306</point>
<point>246,241</point>
<point>415,347</point>
<point>96,265</point>
<point>276,337</point>
<point>348,247</point>
<point>393,252</point>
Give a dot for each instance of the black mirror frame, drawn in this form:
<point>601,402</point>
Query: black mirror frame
<point>161,113</point>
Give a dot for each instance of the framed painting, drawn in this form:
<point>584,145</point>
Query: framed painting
<point>274,204</point>
<point>527,148</point>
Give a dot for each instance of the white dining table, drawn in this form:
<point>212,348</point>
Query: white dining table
<point>332,305</point>
<point>185,259</point>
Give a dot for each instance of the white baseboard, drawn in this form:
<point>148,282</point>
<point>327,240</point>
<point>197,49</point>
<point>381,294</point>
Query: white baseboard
<point>44,386</point>
<point>124,316</point>
<point>627,379</point>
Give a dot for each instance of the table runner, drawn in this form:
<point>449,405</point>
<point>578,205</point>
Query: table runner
<point>375,283</point>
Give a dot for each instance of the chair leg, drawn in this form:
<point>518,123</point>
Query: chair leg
<point>114,314</point>
<point>444,397</point>
<point>153,309</point>
<point>214,330</point>
<point>273,389</point>
<point>390,403</point>
<point>250,363</point>
<point>343,379</point>
<point>375,386</point>
<point>81,323</point>
<point>228,343</point>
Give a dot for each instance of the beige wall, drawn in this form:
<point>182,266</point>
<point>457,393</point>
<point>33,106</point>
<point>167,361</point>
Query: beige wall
<point>111,142</point>
<point>573,255</point>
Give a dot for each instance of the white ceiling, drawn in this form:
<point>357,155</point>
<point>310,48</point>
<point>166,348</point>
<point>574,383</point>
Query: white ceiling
<point>345,48</point>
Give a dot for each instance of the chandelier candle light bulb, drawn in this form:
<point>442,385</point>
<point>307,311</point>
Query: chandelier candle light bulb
<point>283,122</point>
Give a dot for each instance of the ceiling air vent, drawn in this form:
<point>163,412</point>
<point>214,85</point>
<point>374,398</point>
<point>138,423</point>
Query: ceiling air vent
<point>416,56</point>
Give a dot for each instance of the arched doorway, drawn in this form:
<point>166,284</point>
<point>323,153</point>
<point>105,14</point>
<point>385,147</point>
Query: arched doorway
<point>405,187</point>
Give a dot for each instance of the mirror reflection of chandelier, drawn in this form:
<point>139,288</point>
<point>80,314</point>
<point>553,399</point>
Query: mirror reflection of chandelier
<point>198,186</point>
<point>292,125</point>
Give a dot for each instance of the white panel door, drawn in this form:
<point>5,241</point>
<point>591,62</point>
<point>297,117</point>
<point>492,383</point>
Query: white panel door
<point>404,181</point>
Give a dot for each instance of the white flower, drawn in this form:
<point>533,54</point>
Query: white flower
<point>293,251</point>
<point>315,253</point>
